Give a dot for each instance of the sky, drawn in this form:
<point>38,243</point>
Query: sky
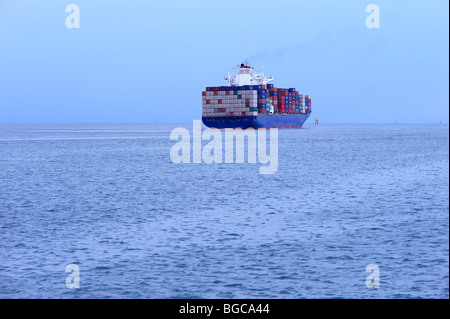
<point>148,61</point>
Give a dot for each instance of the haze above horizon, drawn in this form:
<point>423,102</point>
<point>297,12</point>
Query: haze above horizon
<point>147,61</point>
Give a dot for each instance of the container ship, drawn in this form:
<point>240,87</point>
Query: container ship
<point>249,101</point>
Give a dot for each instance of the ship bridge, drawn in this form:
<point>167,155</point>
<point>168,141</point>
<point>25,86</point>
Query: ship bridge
<point>244,75</point>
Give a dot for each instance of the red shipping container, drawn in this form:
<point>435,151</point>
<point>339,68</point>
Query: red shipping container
<point>216,89</point>
<point>204,93</point>
<point>216,93</point>
<point>208,102</point>
<point>232,113</point>
<point>247,100</point>
<point>227,92</point>
<point>219,101</point>
<point>244,113</point>
<point>263,86</point>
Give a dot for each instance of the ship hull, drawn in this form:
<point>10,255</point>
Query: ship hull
<point>260,121</point>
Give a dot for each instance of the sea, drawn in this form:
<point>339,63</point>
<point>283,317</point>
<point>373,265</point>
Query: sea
<point>102,211</point>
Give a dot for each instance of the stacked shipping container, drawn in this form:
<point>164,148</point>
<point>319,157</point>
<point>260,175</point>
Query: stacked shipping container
<point>251,100</point>
<point>229,101</point>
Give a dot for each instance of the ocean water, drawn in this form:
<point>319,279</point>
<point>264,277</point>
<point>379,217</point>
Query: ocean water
<point>109,199</point>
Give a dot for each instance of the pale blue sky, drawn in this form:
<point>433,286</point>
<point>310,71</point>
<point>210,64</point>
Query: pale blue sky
<point>146,61</point>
